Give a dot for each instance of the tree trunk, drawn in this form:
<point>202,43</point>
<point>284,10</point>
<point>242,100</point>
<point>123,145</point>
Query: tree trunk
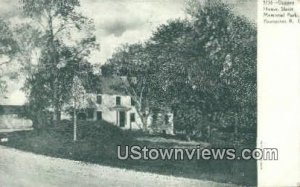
<point>74,126</point>
<point>57,112</point>
<point>144,127</point>
<point>54,60</point>
<point>39,121</point>
<point>235,126</point>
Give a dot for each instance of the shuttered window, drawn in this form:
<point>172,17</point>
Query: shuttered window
<point>99,99</point>
<point>118,100</point>
<point>132,117</point>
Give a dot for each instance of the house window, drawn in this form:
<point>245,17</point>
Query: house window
<point>81,116</point>
<point>99,115</point>
<point>118,100</point>
<point>166,119</point>
<point>132,117</point>
<point>99,99</point>
<point>132,102</point>
<point>90,113</point>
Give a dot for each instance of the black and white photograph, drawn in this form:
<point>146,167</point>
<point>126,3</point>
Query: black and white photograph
<point>129,93</point>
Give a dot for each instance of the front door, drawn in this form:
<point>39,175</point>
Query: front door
<point>122,119</point>
<point>99,115</point>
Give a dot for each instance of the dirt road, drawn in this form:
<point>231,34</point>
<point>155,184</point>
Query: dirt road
<point>23,169</point>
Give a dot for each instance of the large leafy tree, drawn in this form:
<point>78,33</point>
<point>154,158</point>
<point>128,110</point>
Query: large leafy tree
<point>228,61</point>
<point>203,67</point>
<point>214,68</point>
<point>67,39</point>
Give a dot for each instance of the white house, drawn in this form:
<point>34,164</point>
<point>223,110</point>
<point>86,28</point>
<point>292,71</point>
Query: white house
<point>114,108</point>
<point>11,116</point>
<point>119,109</point>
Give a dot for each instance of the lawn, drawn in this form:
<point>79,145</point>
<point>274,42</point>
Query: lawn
<point>97,143</point>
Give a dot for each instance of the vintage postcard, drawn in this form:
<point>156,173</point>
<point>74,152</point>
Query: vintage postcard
<point>148,93</point>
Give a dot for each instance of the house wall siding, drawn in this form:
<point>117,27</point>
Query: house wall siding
<point>109,114</point>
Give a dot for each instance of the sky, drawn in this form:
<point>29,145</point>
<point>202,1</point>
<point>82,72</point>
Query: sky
<point>131,21</point>
<point>124,21</point>
<point>128,21</point>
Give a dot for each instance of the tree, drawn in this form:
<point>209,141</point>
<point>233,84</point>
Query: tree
<point>8,48</point>
<point>216,64</point>
<point>230,64</point>
<point>61,52</point>
<point>130,63</point>
<point>79,102</point>
<point>174,63</point>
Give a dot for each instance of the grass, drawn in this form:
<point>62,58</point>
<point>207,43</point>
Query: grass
<point>97,143</point>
